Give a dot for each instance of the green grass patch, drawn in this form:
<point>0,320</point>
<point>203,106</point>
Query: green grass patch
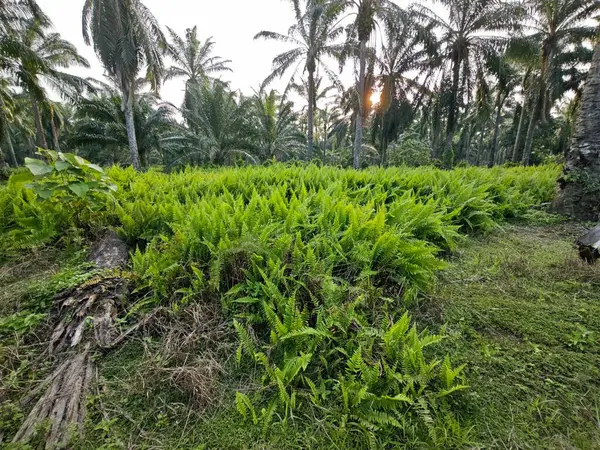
<point>524,313</point>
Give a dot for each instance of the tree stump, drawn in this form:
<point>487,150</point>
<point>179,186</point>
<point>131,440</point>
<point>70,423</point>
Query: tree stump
<point>85,320</point>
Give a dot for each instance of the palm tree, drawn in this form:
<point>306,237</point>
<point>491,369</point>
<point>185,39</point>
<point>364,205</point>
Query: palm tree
<point>367,14</point>
<point>469,38</point>
<point>506,78</point>
<point>193,58</point>
<point>126,37</point>
<point>313,36</point>
<point>274,122</point>
<point>7,108</point>
<point>217,129</point>
<point>322,90</point>
<point>557,25</point>
<point>52,54</point>
<point>100,131</point>
<point>15,13</point>
<point>579,185</point>
<point>405,48</point>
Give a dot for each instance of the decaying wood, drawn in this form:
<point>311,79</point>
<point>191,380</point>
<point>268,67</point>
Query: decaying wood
<point>92,306</point>
<point>589,245</point>
<point>85,320</point>
<point>109,252</point>
<point>63,404</point>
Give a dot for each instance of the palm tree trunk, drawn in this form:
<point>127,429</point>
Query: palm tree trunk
<point>40,135</point>
<point>514,154</point>
<point>451,125</point>
<point>3,163</point>
<point>579,192</point>
<point>533,119</point>
<point>468,155</point>
<point>11,149</point>
<point>358,133</point>
<point>127,106</point>
<point>54,131</point>
<point>310,113</point>
<point>382,146</point>
<point>494,144</point>
<point>324,141</point>
<point>480,146</point>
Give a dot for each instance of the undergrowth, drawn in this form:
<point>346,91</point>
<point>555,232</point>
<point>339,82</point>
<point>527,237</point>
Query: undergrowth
<point>316,266</point>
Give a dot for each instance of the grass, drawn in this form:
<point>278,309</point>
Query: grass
<point>523,312</point>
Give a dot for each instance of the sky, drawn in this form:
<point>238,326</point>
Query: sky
<point>232,24</point>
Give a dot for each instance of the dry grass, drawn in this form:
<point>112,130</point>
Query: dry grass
<point>194,345</point>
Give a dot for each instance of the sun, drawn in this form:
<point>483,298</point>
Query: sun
<point>375,97</point>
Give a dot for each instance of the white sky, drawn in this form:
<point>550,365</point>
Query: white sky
<point>232,24</point>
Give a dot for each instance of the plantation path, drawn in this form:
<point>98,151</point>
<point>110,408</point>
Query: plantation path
<point>524,313</point>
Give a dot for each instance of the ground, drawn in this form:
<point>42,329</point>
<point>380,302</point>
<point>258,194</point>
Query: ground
<point>519,308</point>
<point>523,312</point>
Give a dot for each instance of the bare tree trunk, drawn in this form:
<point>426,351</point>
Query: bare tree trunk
<point>40,135</point>
<point>11,149</point>
<point>480,146</point>
<point>54,131</point>
<point>310,112</point>
<point>533,119</point>
<point>579,186</point>
<point>130,125</point>
<point>358,136</point>
<point>451,125</point>
<point>494,143</point>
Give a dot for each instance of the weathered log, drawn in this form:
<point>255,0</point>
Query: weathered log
<point>109,252</point>
<point>589,245</point>
<point>85,320</point>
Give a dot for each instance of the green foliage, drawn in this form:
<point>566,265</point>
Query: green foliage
<point>68,196</point>
<point>316,266</point>
<point>410,150</point>
<point>20,323</point>
<point>65,177</point>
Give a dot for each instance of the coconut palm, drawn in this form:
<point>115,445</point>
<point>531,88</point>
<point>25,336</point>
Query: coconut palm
<point>469,37</point>
<point>405,49</point>
<point>100,131</point>
<point>126,37</point>
<point>557,26</point>
<point>14,14</point>
<point>52,54</point>
<point>313,36</point>
<point>193,58</point>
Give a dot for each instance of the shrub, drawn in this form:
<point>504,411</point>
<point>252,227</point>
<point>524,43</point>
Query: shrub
<point>409,150</point>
